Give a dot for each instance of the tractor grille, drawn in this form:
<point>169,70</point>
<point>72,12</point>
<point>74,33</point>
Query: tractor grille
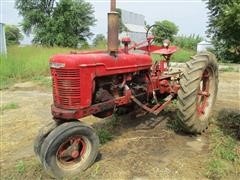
<point>66,88</point>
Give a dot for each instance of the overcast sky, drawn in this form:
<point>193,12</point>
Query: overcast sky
<point>189,15</point>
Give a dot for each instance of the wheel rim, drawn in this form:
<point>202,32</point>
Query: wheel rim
<point>73,152</point>
<point>205,93</point>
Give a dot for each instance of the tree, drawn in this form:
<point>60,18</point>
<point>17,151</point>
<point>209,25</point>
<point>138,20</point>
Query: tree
<point>57,23</point>
<point>224,28</point>
<point>99,40</point>
<point>164,30</point>
<point>13,35</point>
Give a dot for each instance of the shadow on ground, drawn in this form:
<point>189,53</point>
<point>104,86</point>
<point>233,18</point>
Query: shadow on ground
<point>229,122</point>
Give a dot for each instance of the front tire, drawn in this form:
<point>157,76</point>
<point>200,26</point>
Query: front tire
<point>197,93</point>
<point>42,134</point>
<point>69,149</point>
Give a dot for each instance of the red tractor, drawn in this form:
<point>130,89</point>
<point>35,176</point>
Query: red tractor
<point>100,83</point>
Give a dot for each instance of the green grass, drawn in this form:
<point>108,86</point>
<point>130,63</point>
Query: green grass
<point>43,80</point>
<point>11,105</point>
<point>24,63</point>
<point>20,167</point>
<point>224,161</point>
<point>215,169</point>
<point>182,55</point>
<point>228,69</point>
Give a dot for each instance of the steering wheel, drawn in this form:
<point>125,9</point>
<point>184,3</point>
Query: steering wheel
<point>147,33</point>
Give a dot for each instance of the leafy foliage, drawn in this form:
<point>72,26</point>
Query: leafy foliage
<point>188,42</point>
<point>224,28</point>
<point>61,23</point>
<point>99,40</point>
<point>13,35</point>
<point>164,30</point>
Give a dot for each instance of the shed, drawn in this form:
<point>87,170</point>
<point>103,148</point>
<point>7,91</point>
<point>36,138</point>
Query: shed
<point>135,26</point>
<point>204,46</point>
<point>3,47</point>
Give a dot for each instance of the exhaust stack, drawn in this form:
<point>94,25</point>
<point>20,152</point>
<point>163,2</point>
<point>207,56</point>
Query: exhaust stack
<point>113,28</point>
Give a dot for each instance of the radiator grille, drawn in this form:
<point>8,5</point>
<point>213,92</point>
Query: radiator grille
<point>66,88</point>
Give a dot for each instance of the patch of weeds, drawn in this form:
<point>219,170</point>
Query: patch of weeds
<point>95,171</point>
<point>174,102</point>
<point>228,69</point>
<point>215,169</point>
<point>226,150</point>
<point>175,125</point>
<point>42,80</point>
<point>20,167</point>
<point>5,83</point>
<point>104,136</point>
<point>115,121</point>
<point>11,105</point>
<point>224,158</point>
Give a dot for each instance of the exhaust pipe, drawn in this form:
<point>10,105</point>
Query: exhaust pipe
<point>113,28</point>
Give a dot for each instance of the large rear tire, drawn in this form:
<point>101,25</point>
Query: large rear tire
<point>69,149</point>
<point>197,93</point>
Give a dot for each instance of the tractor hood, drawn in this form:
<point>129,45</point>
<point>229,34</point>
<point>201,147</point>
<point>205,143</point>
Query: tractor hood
<point>102,63</point>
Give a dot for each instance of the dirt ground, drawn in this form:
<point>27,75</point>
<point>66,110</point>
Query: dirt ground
<point>142,148</point>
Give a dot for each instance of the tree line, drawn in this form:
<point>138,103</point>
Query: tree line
<point>67,23</point>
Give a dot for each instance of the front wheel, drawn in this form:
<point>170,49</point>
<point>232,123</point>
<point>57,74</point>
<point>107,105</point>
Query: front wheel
<point>69,149</point>
<point>197,93</point>
<point>42,134</point>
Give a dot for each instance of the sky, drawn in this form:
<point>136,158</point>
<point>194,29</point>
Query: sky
<point>189,15</point>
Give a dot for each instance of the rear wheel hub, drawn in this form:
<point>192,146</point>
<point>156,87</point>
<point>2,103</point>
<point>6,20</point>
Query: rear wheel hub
<point>203,93</point>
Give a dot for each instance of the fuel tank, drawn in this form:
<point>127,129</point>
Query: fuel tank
<point>73,74</point>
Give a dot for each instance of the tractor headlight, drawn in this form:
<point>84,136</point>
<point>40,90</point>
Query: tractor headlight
<point>166,43</point>
<point>56,65</point>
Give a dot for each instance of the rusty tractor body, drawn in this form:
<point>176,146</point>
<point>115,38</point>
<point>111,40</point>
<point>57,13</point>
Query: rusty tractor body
<point>102,82</point>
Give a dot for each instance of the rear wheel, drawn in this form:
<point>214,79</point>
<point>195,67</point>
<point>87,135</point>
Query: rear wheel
<point>198,92</point>
<point>69,149</point>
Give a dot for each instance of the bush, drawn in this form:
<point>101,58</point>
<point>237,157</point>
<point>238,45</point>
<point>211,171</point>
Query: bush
<point>188,42</point>
<point>13,35</point>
